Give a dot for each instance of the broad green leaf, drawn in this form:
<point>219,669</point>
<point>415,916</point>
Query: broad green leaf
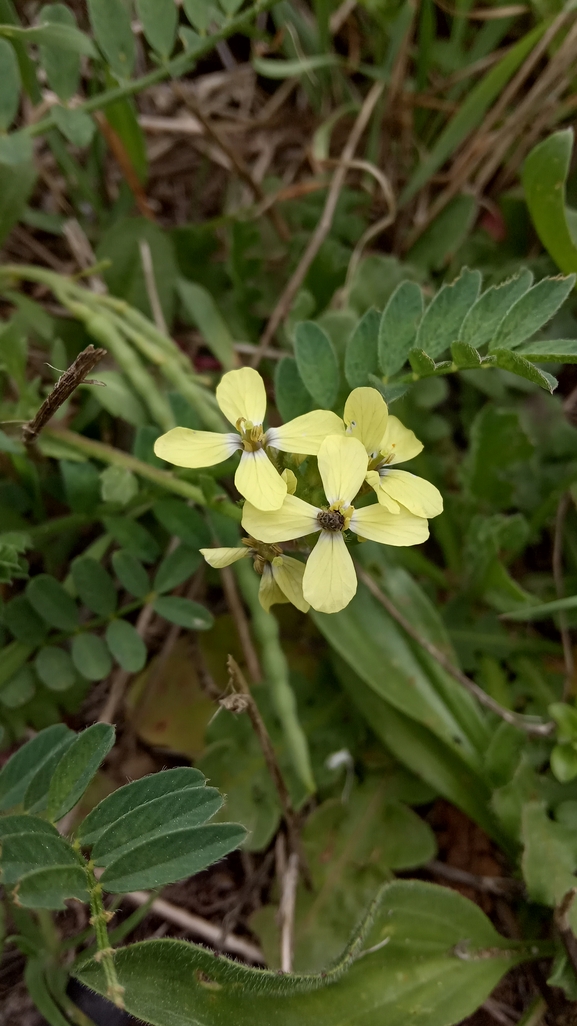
<point>444,316</point>
<point>472,111</point>
<point>91,656</point>
<point>172,857</point>
<point>199,13</point>
<point>14,656</point>
<point>176,568</point>
<point>465,356</point>
<point>497,440</point>
<point>55,668</point>
<point>486,314</point>
<point>421,364</point>
<point>159,20</point>
<point>65,37</point>
<point>274,68</point>
<point>202,311</point>
<point>49,887</point>
<point>183,521</point>
<point>22,853</point>
<point>544,177</point>
<point>412,972</point>
<point>23,622</point>
<point>62,66</point>
<point>36,795</point>
<point>118,485</point>
<point>21,767</point>
<point>118,398</point>
<point>133,537</point>
<point>131,573</point>
<point>10,78</point>
<point>361,355</point>
<point>133,796</point>
<point>184,612</point>
<point>563,350</point>
<point>126,645</point>
<point>317,363</point>
<point>291,396</point>
<point>26,825</point>
<point>190,807</point>
<point>512,361</point>
<point>77,768</point>
<point>94,585</point>
<point>17,178</point>
<point>398,327</point>
<point>543,610</point>
<point>47,596</point>
<point>350,850</point>
<point>531,312</point>
<point>75,125</point>
<point>549,858</point>
<point>110,21</point>
<point>19,689</point>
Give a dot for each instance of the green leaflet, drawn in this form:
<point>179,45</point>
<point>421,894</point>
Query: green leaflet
<point>10,78</point>
<point>126,645</point>
<point>443,318</point>
<point>398,327</point>
<point>111,24</point>
<point>77,767</point>
<point>21,767</point>
<point>486,314</point>
<point>413,979</point>
<point>201,309</point>
<point>94,586</point>
<point>361,355</point>
<point>317,363</point>
<point>544,176</point>
<point>531,311</point>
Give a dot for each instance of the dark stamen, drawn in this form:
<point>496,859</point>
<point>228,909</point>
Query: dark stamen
<point>331,520</point>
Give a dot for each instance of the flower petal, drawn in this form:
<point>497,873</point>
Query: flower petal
<point>291,480</point>
<point>288,574</point>
<point>399,444</point>
<point>187,448</point>
<point>374,480</point>
<point>329,581</point>
<point>223,557</point>
<point>269,592</point>
<point>305,434</point>
<point>418,495</point>
<point>366,416</point>
<point>294,519</point>
<point>259,481</point>
<point>342,466</point>
<point>241,393</point>
<point>376,524</point>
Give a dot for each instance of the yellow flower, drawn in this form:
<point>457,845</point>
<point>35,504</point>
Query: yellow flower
<point>281,576</point>
<point>242,398</point>
<point>387,442</point>
<point>330,581</point>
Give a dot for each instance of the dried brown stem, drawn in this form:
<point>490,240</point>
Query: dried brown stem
<point>557,561</point>
<point>286,910</point>
<point>564,926</point>
<point>500,886</point>
<point>323,227</point>
<point>234,603</point>
<point>67,383</point>
<point>120,153</point>
<point>529,726</point>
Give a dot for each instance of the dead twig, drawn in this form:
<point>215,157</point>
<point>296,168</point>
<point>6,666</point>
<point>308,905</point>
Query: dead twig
<point>323,227</point>
<point>534,727</point>
<point>500,886</point>
<point>564,926</point>
<point>234,603</point>
<point>557,561</point>
<point>288,872</point>
<point>67,383</point>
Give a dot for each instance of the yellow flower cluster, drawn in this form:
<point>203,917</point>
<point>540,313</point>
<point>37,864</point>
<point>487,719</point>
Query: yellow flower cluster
<point>363,447</point>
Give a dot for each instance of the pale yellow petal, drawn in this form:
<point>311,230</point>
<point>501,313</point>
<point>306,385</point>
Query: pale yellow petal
<point>288,574</point>
<point>305,434</point>
<point>294,519</point>
<point>187,448</point>
<point>223,557</point>
<point>290,480</point>
<point>259,481</point>
<point>418,495</point>
<point>399,444</point>
<point>374,480</point>
<point>342,466</point>
<point>329,581</point>
<point>366,417</point>
<point>376,524</point>
<point>269,592</point>
<point>241,393</point>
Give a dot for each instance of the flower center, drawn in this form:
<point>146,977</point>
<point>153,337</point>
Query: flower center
<point>331,520</point>
<point>251,435</point>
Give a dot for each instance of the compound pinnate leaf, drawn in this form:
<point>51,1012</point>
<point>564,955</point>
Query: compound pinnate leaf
<point>171,857</point>
<point>317,363</point>
<point>159,20</point>
<point>91,656</point>
<point>361,355</point>
<point>176,568</point>
<point>444,316</point>
<point>113,31</point>
<point>184,612</point>
<point>49,887</point>
<point>77,767</point>
<point>531,312</point>
<point>398,327</point>
<point>52,602</point>
<point>131,573</point>
<point>134,795</point>
<point>94,585</point>
<point>10,78</point>
<point>544,176</point>
<point>126,645</point>
<point>189,807</point>
<point>292,398</point>
<point>486,314</point>
<point>21,767</point>
<point>26,825</point>
<point>55,668</point>
<point>409,976</point>
<point>23,853</point>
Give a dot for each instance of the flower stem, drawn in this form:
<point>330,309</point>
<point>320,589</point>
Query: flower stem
<point>276,673</point>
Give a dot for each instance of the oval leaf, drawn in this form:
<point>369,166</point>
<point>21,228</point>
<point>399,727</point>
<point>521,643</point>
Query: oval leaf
<point>77,767</point>
<point>49,887</point>
<point>317,363</point>
<point>94,586</point>
<point>113,32</point>
<point>91,656</point>
<point>398,327</point>
<point>55,668</point>
<point>184,612</point>
<point>126,645</point>
<point>52,602</point>
<point>131,573</point>
<point>21,767</point>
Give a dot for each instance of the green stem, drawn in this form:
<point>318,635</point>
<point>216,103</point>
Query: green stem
<point>276,672</point>
<point>59,525</point>
<point>171,69</point>
<point>105,953</point>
